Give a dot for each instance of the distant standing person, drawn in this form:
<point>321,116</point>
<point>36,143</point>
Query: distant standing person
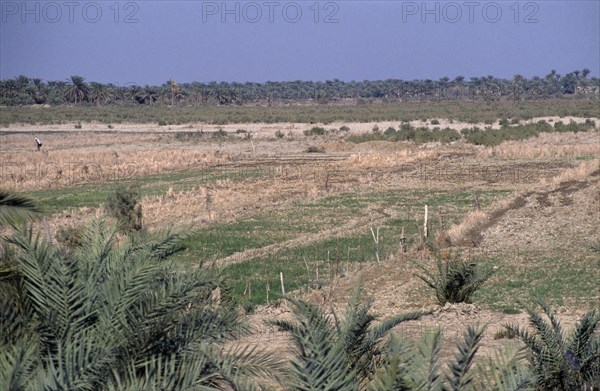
<point>38,143</point>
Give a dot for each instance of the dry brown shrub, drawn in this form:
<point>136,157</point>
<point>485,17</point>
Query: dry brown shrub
<point>580,172</point>
<point>389,159</point>
<point>547,145</point>
<point>472,221</point>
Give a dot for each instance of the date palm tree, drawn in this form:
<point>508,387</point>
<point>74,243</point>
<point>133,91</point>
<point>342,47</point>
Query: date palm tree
<point>77,90</point>
<point>99,93</point>
<point>339,354</point>
<point>38,91</point>
<point>561,361</point>
<point>458,82</point>
<point>174,90</point>
<point>416,366</point>
<point>117,314</point>
<point>147,95</point>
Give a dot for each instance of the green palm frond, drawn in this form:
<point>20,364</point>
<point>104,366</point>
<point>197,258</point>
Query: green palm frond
<point>560,362</point>
<point>16,209</point>
<point>361,353</point>
<point>397,372</point>
<point>584,343</point>
<point>557,335</point>
<point>461,376</point>
<point>352,347</point>
<point>113,308</point>
<point>550,359</point>
<point>584,332</point>
<point>505,370</point>
<point>319,362</point>
<point>430,351</point>
<point>383,328</point>
<point>37,268</point>
<point>247,362</point>
<point>17,365</point>
<point>455,280</point>
<point>364,340</point>
<point>167,244</point>
<point>411,365</point>
<point>157,373</point>
<point>419,363</point>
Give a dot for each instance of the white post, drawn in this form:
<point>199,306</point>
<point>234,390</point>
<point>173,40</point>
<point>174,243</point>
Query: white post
<point>402,239</point>
<point>425,224</point>
<point>376,240</point>
<point>268,294</point>
<point>282,287</point>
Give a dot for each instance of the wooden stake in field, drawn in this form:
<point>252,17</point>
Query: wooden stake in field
<point>331,271</point>
<point>207,201</point>
<point>245,291</point>
<point>402,241</point>
<point>376,240</point>
<point>268,294</point>
<point>216,296</point>
<point>425,224</point>
<point>282,287</point>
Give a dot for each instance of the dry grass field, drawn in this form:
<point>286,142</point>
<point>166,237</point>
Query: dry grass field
<point>263,205</point>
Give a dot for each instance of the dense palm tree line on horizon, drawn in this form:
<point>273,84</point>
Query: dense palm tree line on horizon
<point>24,90</point>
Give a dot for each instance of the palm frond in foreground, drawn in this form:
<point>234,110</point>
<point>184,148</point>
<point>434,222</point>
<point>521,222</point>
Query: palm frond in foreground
<point>118,314</point>
<point>560,360</point>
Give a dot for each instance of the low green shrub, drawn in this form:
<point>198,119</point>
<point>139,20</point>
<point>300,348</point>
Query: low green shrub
<point>124,206</point>
<point>455,280</point>
<point>315,149</point>
<point>315,131</point>
<point>390,132</point>
<point>219,133</point>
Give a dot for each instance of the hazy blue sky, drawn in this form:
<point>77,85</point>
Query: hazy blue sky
<point>286,40</point>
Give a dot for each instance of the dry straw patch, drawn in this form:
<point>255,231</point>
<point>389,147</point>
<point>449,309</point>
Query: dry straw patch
<point>580,172</point>
<point>547,145</point>
<point>472,221</point>
<point>34,171</point>
<point>371,160</point>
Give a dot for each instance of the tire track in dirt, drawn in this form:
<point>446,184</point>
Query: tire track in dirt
<point>564,190</point>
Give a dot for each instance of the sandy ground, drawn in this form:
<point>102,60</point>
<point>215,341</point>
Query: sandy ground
<point>266,130</point>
